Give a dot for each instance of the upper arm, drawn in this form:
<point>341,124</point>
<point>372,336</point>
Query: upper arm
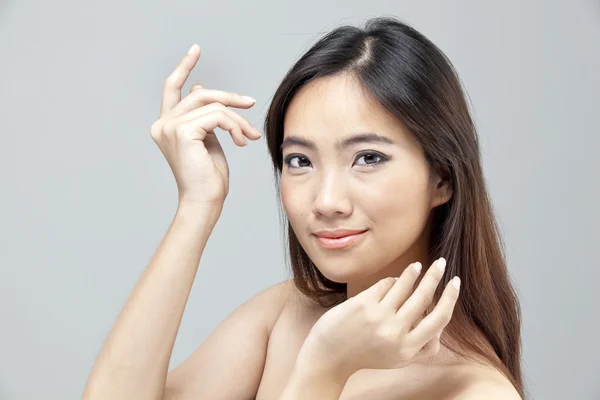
<point>230,362</point>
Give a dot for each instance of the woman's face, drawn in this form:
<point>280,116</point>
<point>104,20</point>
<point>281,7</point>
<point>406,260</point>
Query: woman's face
<point>383,187</point>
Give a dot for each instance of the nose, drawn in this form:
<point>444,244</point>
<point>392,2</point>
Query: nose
<point>331,198</point>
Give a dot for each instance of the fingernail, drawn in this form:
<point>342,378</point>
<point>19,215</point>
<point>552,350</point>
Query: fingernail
<point>456,282</point>
<point>417,266</point>
<point>441,264</point>
<point>192,49</point>
<point>257,132</point>
<point>248,98</point>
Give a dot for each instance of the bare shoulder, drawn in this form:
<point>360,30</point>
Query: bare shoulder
<point>234,352</point>
<point>484,383</point>
<point>270,302</point>
<point>488,390</point>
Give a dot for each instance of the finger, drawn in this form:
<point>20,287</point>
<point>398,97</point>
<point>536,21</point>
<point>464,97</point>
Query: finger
<point>417,322</point>
<point>199,98</point>
<point>248,130</point>
<point>403,287</point>
<point>439,318</point>
<point>198,127</point>
<point>174,83</point>
<point>195,87</point>
<point>421,298</point>
<point>430,348</point>
<point>377,290</point>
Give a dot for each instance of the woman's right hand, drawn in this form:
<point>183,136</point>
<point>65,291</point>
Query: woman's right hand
<point>184,133</point>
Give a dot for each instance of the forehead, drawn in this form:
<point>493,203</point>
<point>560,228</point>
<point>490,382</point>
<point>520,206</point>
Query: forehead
<point>337,106</point>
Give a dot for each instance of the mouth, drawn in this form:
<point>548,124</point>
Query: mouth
<point>340,242</point>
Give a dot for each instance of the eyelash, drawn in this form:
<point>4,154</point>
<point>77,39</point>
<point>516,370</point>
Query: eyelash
<point>287,160</point>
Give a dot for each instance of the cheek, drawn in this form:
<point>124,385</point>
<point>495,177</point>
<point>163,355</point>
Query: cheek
<point>400,209</point>
<point>293,203</point>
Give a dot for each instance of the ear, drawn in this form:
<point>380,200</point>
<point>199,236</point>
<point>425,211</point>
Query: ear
<point>442,190</point>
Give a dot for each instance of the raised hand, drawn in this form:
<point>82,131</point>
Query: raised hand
<point>184,133</point>
<point>382,327</point>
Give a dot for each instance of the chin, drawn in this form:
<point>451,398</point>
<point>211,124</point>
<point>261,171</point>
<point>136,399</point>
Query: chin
<point>349,264</point>
<point>341,271</point>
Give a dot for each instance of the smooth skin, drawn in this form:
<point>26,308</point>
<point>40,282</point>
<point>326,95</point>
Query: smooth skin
<point>385,320</point>
<point>380,328</point>
<point>134,360</point>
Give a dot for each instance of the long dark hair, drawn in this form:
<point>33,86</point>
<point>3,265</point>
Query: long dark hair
<point>411,78</point>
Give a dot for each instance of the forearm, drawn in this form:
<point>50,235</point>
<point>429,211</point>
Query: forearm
<point>134,360</point>
<point>313,382</point>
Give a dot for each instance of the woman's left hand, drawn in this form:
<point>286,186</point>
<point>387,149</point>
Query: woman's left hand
<point>379,328</point>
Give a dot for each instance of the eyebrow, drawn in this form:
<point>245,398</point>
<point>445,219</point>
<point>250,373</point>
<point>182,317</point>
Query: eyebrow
<point>365,137</point>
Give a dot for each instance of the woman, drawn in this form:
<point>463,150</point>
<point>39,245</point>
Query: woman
<point>378,166</point>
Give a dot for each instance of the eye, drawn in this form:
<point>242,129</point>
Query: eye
<point>369,156</point>
<point>288,160</point>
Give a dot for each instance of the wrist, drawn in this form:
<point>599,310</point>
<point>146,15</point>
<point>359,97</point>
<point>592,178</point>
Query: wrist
<point>198,220</point>
<point>201,212</point>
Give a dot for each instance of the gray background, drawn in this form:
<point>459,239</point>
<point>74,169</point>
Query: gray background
<point>87,196</point>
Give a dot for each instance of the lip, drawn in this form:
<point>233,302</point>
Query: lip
<point>340,242</point>
<point>338,233</point>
